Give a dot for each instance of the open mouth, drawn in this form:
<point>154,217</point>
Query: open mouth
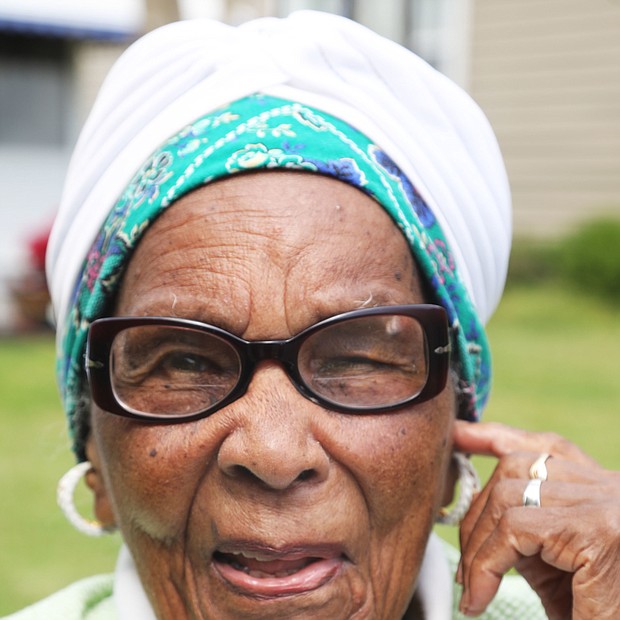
<point>276,574</point>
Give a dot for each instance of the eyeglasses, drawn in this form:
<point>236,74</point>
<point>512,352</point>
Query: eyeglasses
<point>371,360</point>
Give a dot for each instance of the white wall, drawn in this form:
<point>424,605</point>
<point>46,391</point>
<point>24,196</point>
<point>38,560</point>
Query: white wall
<point>31,181</point>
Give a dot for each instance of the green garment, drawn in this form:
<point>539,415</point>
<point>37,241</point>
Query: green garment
<point>87,599</point>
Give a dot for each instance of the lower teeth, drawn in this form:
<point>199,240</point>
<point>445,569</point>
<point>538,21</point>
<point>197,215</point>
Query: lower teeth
<point>257,574</point>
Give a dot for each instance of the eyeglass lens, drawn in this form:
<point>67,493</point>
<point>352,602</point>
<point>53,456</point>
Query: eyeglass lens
<point>360,362</point>
<point>365,362</point>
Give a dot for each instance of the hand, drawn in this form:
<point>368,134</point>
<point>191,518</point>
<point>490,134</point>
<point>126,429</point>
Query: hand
<point>568,549</point>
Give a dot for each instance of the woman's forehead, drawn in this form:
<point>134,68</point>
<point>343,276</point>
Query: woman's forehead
<point>286,215</point>
<point>284,196</point>
<point>270,240</point>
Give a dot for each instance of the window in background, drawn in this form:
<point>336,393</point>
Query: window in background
<point>36,129</point>
<point>340,7</point>
<point>437,30</point>
<point>35,90</point>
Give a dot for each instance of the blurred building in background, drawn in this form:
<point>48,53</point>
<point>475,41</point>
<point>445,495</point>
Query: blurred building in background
<point>53,56</point>
<point>546,72</point>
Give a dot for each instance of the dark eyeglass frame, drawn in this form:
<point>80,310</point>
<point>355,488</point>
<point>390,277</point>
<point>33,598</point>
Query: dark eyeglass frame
<point>432,319</point>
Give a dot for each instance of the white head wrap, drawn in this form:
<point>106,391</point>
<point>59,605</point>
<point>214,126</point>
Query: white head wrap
<point>430,127</point>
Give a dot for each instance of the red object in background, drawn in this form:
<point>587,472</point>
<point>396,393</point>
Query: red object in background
<point>37,247</point>
<point>29,289</point>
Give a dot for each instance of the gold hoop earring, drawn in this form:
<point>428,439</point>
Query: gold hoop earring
<point>64,497</point>
<point>469,483</point>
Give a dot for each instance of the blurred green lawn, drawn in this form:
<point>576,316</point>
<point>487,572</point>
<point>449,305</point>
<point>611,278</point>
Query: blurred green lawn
<point>556,368</point>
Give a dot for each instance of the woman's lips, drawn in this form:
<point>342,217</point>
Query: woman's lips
<point>266,573</point>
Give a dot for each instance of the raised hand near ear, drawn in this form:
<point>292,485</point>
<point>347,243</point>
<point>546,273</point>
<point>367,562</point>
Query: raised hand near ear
<point>566,543</point>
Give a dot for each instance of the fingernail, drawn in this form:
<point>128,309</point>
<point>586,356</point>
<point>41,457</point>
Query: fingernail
<point>464,603</point>
<point>472,613</point>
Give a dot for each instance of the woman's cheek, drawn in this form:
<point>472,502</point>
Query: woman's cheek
<point>401,461</point>
<point>147,474</point>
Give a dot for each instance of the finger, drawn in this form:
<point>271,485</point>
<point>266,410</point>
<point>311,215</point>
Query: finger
<point>502,550</point>
<point>510,467</point>
<point>495,439</point>
<point>514,466</point>
<point>508,494</point>
<point>568,484</point>
<point>486,510</point>
<point>519,464</point>
<point>585,546</point>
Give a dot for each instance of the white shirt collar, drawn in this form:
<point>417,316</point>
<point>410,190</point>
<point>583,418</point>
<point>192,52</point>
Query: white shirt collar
<point>435,587</point>
<point>129,596</point>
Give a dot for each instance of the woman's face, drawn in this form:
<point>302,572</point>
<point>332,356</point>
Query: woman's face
<point>274,507</point>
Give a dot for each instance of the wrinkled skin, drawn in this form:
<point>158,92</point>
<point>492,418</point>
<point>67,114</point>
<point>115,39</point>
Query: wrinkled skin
<point>265,256</point>
<point>568,549</point>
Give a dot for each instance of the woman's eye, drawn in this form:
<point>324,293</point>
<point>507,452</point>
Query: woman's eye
<point>187,362</point>
<point>351,366</point>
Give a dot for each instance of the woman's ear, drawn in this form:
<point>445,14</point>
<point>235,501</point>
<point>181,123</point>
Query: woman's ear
<point>95,482</point>
<point>452,475</point>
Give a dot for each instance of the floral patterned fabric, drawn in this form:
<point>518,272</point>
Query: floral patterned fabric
<point>259,133</point>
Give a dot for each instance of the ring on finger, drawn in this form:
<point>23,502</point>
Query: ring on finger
<point>538,470</point>
<point>531,495</point>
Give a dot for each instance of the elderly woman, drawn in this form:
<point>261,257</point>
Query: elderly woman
<point>276,250</point>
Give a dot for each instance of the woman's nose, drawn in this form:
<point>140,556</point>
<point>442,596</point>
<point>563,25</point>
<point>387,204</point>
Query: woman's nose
<point>273,441</point>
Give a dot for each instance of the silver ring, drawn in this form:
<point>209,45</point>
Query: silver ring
<point>531,495</point>
<point>538,470</point>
